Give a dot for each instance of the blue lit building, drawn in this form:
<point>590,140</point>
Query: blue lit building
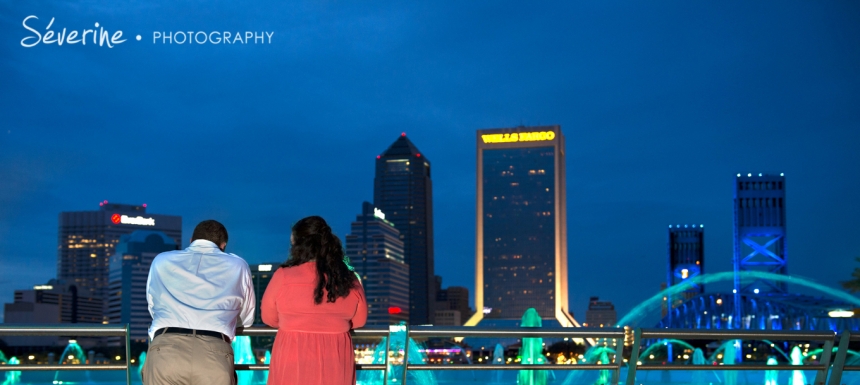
<point>403,190</point>
<point>521,235</point>
<point>686,258</point>
<point>375,250</point>
<point>128,272</point>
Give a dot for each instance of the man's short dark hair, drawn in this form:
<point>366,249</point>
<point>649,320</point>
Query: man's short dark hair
<point>210,230</point>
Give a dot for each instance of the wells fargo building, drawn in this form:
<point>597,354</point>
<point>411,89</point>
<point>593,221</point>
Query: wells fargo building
<point>521,239</point>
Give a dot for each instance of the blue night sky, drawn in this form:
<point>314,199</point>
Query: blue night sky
<point>661,102</point>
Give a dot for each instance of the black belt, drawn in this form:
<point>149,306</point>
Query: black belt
<point>193,332</point>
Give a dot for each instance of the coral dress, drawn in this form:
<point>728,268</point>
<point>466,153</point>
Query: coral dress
<point>313,345</point>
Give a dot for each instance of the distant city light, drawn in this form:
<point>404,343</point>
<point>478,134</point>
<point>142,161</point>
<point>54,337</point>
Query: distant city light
<point>264,267</point>
<point>759,174</point>
<point>702,226</point>
<point>105,202</point>
<point>403,134</point>
<point>418,155</point>
<point>378,156</point>
<point>43,287</point>
<point>750,174</point>
<point>841,313</point>
<point>781,174</point>
<point>719,301</point>
<point>739,175</point>
<point>685,273</point>
<point>755,291</point>
<point>73,341</point>
<point>735,291</point>
<point>394,310</point>
<point>487,310</point>
<point>144,205</point>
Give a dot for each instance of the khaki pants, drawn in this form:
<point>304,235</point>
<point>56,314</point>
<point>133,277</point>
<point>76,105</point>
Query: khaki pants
<point>185,359</point>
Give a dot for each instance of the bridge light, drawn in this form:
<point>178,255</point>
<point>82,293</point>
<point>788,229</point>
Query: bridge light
<point>841,313</point>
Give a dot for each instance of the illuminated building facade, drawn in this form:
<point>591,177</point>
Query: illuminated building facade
<point>521,237</point>
<point>375,250</point>
<point>53,302</point>
<point>87,240</point>
<point>261,275</point>
<point>128,273</point>
<point>402,189</point>
<point>686,258</point>
<point>600,314</point>
<point>453,298</point>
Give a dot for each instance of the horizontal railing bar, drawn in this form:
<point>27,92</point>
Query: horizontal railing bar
<point>78,331</point>
<point>27,368</point>
<point>266,367</point>
<point>730,367</point>
<point>687,334</point>
<point>263,331</point>
<point>851,368</point>
<point>522,332</point>
<point>512,367</point>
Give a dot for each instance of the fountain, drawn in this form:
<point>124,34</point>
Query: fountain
<point>655,303</point>
<point>661,343</point>
<point>797,376</point>
<point>498,359</point>
<point>3,359</point>
<point>531,352</point>
<point>698,376</point>
<point>72,355</point>
<point>730,355</point>
<point>140,361</point>
<point>242,354</point>
<point>397,348</point>
<point>771,376</point>
<point>13,377</point>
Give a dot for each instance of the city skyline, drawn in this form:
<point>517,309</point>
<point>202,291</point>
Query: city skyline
<point>662,104</point>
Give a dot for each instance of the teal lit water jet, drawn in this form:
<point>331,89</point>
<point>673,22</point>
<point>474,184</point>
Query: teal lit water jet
<point>397,347</point>
<point>773,345</point>
<point>140,361</point>
<point>655,302</point>
<point>12,377</point>
<point>771,376</point>
<point>72,355</point>
<point>498,359</point>
<point>243,354</point>
<point>698,376</point>
<point>729,358</point>
<point>531,352</point>
<point>797,376</point>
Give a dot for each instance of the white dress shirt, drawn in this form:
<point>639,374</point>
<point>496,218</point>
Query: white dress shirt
<point>201,288</point>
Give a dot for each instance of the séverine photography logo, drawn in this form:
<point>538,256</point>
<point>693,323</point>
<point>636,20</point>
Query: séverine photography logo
<point>102,36</point>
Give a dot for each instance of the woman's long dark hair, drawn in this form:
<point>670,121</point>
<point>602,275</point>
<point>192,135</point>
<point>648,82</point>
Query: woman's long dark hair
<point>314,241</point>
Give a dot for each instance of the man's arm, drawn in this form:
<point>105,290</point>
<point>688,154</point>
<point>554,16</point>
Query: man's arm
<point>250,302</point>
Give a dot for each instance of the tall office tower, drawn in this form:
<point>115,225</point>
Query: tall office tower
<point>600,314</point>
<point>402,189</point>
<point>87,240</point>
<point>521,240</point>
<point>686,258</point>
<point>128,272</point>
<point>760,230</point>
<point>375,251</point>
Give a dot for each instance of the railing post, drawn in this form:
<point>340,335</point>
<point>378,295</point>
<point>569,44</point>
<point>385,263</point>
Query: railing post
<point>634,357</point>
<point>387,352</point>
<point>619,359</point>
<point>839,362</point>
<point>405,352</point>
<point>821,376</point>
<point>127,355</point>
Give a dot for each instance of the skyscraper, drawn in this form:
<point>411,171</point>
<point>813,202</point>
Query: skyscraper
<point>686,258</point>
<point>128,273</point>
<point>600,314</point>
<point>402,189</point>
<point>87,240</point>
<point>521,238</point>
<point>375,250</point>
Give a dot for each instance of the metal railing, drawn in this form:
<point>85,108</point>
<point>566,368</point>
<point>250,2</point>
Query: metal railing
<point>421,332</point>
<point>842,356</point>
<point>687,334</point>
<point>74,331</point>
<point>463,331</point>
